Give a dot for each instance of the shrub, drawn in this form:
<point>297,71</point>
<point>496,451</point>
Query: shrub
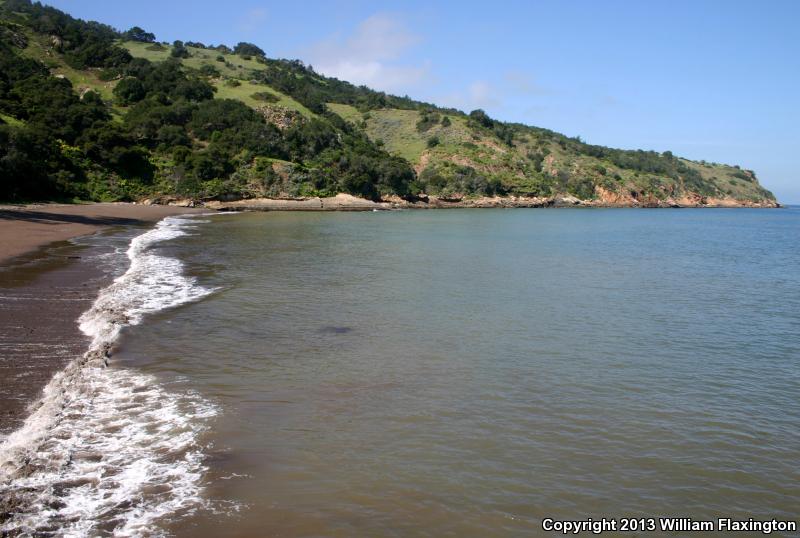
<point>481,118</point>
<point>138,34</point>
<point>267,97</point>
<point>179,50</point>
<point>208,70</point>
<point>247,49</point>
<point>427,120</point>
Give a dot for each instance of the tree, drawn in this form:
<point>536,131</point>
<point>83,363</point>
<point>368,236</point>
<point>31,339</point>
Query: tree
<point>178,50</point>
<point>129,91</point>
<point>446,121</point>
<point>247,49</point>
<point>208,70</point>
<point>481,117</point>
<point>193,90</point>
<point>139,34</point>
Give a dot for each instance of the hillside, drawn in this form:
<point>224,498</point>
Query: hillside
<point>89,112</point>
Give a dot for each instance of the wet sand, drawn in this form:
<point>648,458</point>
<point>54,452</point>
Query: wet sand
<point>27,227</point>
<point>45,284</point>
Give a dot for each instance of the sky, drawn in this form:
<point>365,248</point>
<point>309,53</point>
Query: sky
<point>705,79</point>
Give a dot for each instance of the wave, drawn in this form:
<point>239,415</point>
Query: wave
<point>109,450</point>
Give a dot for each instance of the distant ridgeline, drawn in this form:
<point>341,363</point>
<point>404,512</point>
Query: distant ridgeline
<point>91,113</point>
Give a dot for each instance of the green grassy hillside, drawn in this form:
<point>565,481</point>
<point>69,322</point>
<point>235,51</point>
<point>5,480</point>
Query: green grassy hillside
<point>540,162</point>
<point>230,67</point>
<point>280,129</point>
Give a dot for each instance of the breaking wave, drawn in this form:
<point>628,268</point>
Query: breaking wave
<point>109,451</point>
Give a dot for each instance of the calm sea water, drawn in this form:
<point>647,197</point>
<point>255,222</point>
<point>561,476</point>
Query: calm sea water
<point>471,372</point>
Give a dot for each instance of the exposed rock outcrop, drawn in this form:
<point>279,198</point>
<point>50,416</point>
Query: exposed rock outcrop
<point>281,117</point>
<point>347,202</point>
<point>340,202</point>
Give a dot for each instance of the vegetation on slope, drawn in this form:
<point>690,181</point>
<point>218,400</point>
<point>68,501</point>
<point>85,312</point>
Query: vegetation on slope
<point>88,112</point>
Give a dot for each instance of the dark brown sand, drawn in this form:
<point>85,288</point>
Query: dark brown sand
<point>45,284</point>
<point>25,228</point>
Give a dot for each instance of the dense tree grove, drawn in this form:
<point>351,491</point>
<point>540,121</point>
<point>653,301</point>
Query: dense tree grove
<point>83,44</point>
<point>70,146</point>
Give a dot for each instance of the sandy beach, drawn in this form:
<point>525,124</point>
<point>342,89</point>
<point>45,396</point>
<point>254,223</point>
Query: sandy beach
<point>26,227</point>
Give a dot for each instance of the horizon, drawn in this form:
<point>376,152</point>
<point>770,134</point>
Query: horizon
<point>713,96</point>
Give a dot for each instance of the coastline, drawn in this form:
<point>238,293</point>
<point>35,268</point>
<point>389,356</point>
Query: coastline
<point>46,283</point>
<point>43,294</point>
<point>25,228</point>
<point>61,396</point>
<point>346,202</point>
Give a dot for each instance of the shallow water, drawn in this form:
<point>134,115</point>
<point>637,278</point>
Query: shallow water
<point>471,372</point>
<point>110,451</point>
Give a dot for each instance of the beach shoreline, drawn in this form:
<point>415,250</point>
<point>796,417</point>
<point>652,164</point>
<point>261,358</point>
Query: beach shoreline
<point>47,282</point>
<point>64,306</point>
<point>347,202</point>
<point>26,228</point>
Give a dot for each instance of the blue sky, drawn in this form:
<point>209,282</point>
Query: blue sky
<point>713,80</point>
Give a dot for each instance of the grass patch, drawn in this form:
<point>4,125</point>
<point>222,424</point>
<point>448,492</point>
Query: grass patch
<point>730,180</point>
<point>346,112</point>
<point>80,79</point>
<point>246,90</point>
<point>398,130</point>
<point>145,50</point>
<point>11,120</point>
<point>234,67</point>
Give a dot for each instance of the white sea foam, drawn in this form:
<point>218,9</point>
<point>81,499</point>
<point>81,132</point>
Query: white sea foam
<point>108,451</point>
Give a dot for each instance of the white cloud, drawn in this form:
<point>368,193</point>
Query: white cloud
<point>479,94</point>
<point>372,55</point>
<point>253,20</point>
<point>483,95</point>
<point>523,83</point>
<point>506,93</point>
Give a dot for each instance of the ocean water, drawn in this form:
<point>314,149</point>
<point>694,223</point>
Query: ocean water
<point>429,373</point>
